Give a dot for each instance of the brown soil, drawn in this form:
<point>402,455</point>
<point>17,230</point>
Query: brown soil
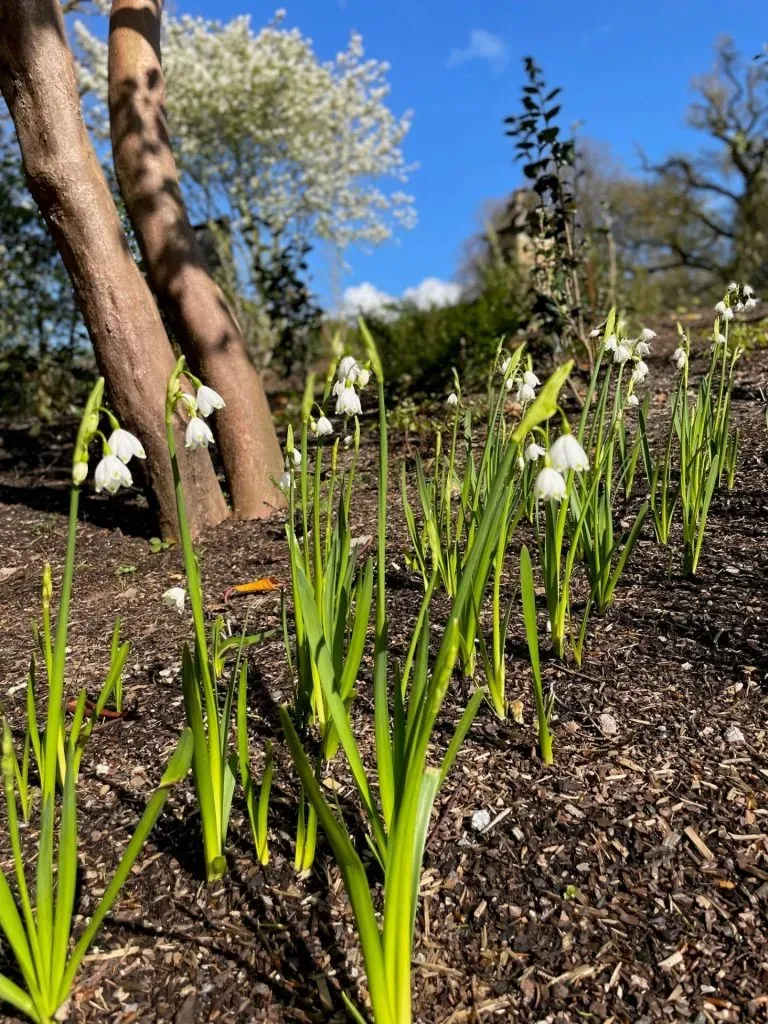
<point>627,883</point>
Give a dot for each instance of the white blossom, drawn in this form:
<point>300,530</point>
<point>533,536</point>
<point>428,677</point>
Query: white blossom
<point>566,453</point>
<point>111,474</point>
<point>79,473</point>
<point>530,378</point>
<point>347,370</point>
<point>748,290</point>
<point>295,455</point>
<point>174,598</point>
<point>720,339</point>
<point>323,427</point>
<point>640,371</point>
<point>720,307</point>
<point>125,446</point>
<point>647,334</point>
<point>534,452</point>
<point>525,393</point>
<point>452,400</point>
<point>728,314</point>
<point>284,483</point>
<point>610,343</point>
<point>750,303</point>
<point>595,333</point>
<point>208,400</point>
<point>348,402</point>
<point>632,400</point>
<point>198,434</point>
<point>549,485</point>
<point>621,354</point>
<point>733,287</point>
<point>520,463</point>
<point>505,364</point>
<point>363,376</point>
<point>348,440</point>
<point>680,357</point>
<point>642,349</point>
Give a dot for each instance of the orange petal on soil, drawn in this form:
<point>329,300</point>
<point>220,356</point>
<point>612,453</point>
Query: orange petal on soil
<point>258,586</point>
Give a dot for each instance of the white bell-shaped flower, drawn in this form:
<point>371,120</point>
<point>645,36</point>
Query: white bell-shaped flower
<point>549,485</point>
<point>525,393</point>
<point>720,308</point>
<point>640,371</point>
<point>198,434</point>
<point>680,357</point>
<point>534,452</point>
<point>621,354</point>
<point>728,314</point>
<point>632,401</point>
<point>748,290</point>
<point>347,369</point>
<point>323,427</point>
<point>452,400</point>
<point>595,333</point>
<point>111,474</point>
<point>751,302</point>
<point>362,377</point>
<point>733,287</point>
<point>566,453</point>
<point>610,343</point>
<point>125,446</point>
<point>174,598</point>
<point>520,463</point>
<point>295,456</point>
<point>505,364</point>
<point>720,339</point>
<point>530,378</point>
<point>348,402</point>
<point>647,334</point>
<point>284,483</point>
<point>208,400</point>
<point>642,349</point>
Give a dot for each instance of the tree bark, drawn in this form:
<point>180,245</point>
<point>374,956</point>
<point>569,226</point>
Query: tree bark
<point>37,79</point>
<point>206,327</point>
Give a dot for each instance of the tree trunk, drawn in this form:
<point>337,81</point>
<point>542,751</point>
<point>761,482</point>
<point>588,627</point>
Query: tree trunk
<point>37,79</point>
<point>207,330</point>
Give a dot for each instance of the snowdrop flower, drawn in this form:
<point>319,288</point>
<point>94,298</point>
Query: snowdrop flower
<point>174,598</point>
<point>111,474</point>
<point>549,485</point>
<point>750,303</point>
<point>198,434</point>
<point>595,333</point>
<point>534,452</point>
<point>621,354</point>
<point>680,357</point>
<point>720,339</point>
<point>520,463</point>
<point>525,393</point>
<point>510,383</point>
<point>347,368</point>
<point>124,445</point>
<point>748,289</point>
<point>647,334</point>
<point>610,343</point>
<point>363,376</point>
<point>208,400</point>
<point>505,364</point>
<point>739,306</point>
<point>284,483</point>
<point>632,400</point>
<point>452,400</point>
<point>720,308</point>
<point>296,456</point>
<point>348,402</point>
<point>733,287</point>
<point>566,453</point>
<point>323,427</point>
<point>642,349</point>
<point>640,371</point>
<point>728,314</point>
<point>348,440</point>
<point>530,378</point>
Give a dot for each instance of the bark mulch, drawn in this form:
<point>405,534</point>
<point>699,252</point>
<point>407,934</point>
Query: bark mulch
<point>628,883</point>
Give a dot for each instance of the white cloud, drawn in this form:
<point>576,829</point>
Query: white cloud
<point>483,45</point>
<point>432,292</point>
<point>366,299</point>
<point>363,299</point>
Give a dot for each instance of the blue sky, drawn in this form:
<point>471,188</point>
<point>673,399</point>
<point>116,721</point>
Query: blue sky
<point>625,67</point>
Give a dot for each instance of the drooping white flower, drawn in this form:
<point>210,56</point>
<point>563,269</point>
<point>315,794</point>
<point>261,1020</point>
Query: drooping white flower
<point>595,334</point>
<point>640,371</point>
<point>642,349</point>
<point>294,455</point>
<point>323,427</point>
<point>509,383</point>
<point>739,306</point>
<point>174,598</point>
<point>348,402</point>
<point>348,440</point>
<point>208,400</point>
<point>347,369</point>
<point>198,434</point>
<point>720,308</point>
<point>748,290</point>
<point>566,453</point>
<point>520,463</point>
<point>525,393</point>
<point>452,400</point>
<point>530,378</point>
<point>125,446</point>
<point>363,376</point>
<point>733,287</point>
<point>549,485</point>
<point>728,314</point>
<point>284,483</point>
<point>111,474</point>
<point>632,400</point>
<point>621,354</point>
<point>720,339</point>
<point>610,343</point>
<point>751,303</point>
<point>647,334</point>
<point>680,357</point>
<point>505,364</point>
<point>534,452</point>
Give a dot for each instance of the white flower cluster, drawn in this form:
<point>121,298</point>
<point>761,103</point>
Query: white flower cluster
<point>198,433</point>
<point>112,471</point>
<point>525,381</point>
<point>625,350</point>
<point>738,299</point>
<point>260,126</point>
<point>349,374</point>
<point>565,455</point>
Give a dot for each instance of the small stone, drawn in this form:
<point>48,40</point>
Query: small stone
<point>571,726</point>
<point>734,735</point>
<point>608,725</point>
<point>480,820</point>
